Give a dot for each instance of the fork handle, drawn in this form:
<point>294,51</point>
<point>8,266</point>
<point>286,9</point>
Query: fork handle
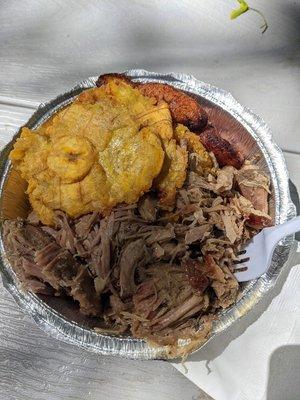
<point>278,232</point>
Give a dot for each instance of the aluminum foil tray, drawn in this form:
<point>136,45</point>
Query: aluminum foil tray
<point>58,317</point>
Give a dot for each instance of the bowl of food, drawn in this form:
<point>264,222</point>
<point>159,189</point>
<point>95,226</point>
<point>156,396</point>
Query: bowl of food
<point>124,203</point>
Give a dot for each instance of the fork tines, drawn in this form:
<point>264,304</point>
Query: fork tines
<point>240,269</point>
<point>242,260</point>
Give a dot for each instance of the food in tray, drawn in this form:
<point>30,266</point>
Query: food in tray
<point>139,207</point>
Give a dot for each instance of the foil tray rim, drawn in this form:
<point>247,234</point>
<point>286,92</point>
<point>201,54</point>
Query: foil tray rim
<point>59,327</point>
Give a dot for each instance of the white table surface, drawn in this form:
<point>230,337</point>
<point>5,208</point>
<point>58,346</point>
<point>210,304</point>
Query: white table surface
<point>46,47</point>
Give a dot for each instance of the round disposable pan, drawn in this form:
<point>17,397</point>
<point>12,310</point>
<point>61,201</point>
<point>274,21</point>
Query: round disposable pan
<point>60,318</point>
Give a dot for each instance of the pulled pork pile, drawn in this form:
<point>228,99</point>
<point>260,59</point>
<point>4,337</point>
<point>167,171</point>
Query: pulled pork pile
<point>160,275</point>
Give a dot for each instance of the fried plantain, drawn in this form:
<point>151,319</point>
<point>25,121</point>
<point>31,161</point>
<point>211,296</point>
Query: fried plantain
<point>187,111</point>
<point>194,145</point>
<point>173,173</point>
<point>130,161</point>
<point>224,151</point>
<point>104,148</point>
<point>184,108</point>
<point>158,118</point>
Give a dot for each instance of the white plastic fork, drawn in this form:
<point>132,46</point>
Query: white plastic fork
<point>257,255</point>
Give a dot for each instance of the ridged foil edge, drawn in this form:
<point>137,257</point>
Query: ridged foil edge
<point>60,328</point>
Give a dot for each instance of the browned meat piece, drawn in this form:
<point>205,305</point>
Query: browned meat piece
<point>161,234</point>
<point>132,255</point>
<point>32,270</point>
<point>33,219</point>
<point>168,251</point>
<point>84,225</point>
<point>31,236</point>
<point>212,270</point>
<point>57,265</point>
<point>224,151</point>
<point>254,218</point>
<point>146,301</point>
<point>83,290</point>
<point>254,185</point>
<point>172,250</point>
<point>196,234</point>
<point>22,241</point>
<point>117,304</point>
<point>232,131</point>
<point>165,299</point>
<point>257,195</point>
<point>223,282</point>
<point>61,270</point>
<point>184,108</point>
<point>104,250</point>
<point>208,273</point>
<point>190,307</point>
<point>65,235</point>
<point>196,275</point>
<point>200,274</point>
<point>225,179</point>
<point>258,220</point>
<point>36,286</point>
<point>226,291</point>
<point>148,208</point>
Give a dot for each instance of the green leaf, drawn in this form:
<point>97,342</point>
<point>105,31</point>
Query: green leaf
<point>239,11</point>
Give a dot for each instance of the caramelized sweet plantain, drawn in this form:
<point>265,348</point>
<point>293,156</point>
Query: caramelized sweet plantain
<point>224,151</point>
<point>184,108</point>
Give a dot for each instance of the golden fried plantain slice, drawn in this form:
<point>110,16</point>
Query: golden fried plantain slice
<point>71,158</point>
<point>131,160</point>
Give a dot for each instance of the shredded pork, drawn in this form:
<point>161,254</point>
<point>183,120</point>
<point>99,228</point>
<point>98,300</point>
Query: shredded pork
<point>161,275</point>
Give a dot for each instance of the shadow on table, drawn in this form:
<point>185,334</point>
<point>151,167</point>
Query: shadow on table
<point>149,43</point>
<point>284,373</point>
<point>218,343</point>
<point>150,36</point>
